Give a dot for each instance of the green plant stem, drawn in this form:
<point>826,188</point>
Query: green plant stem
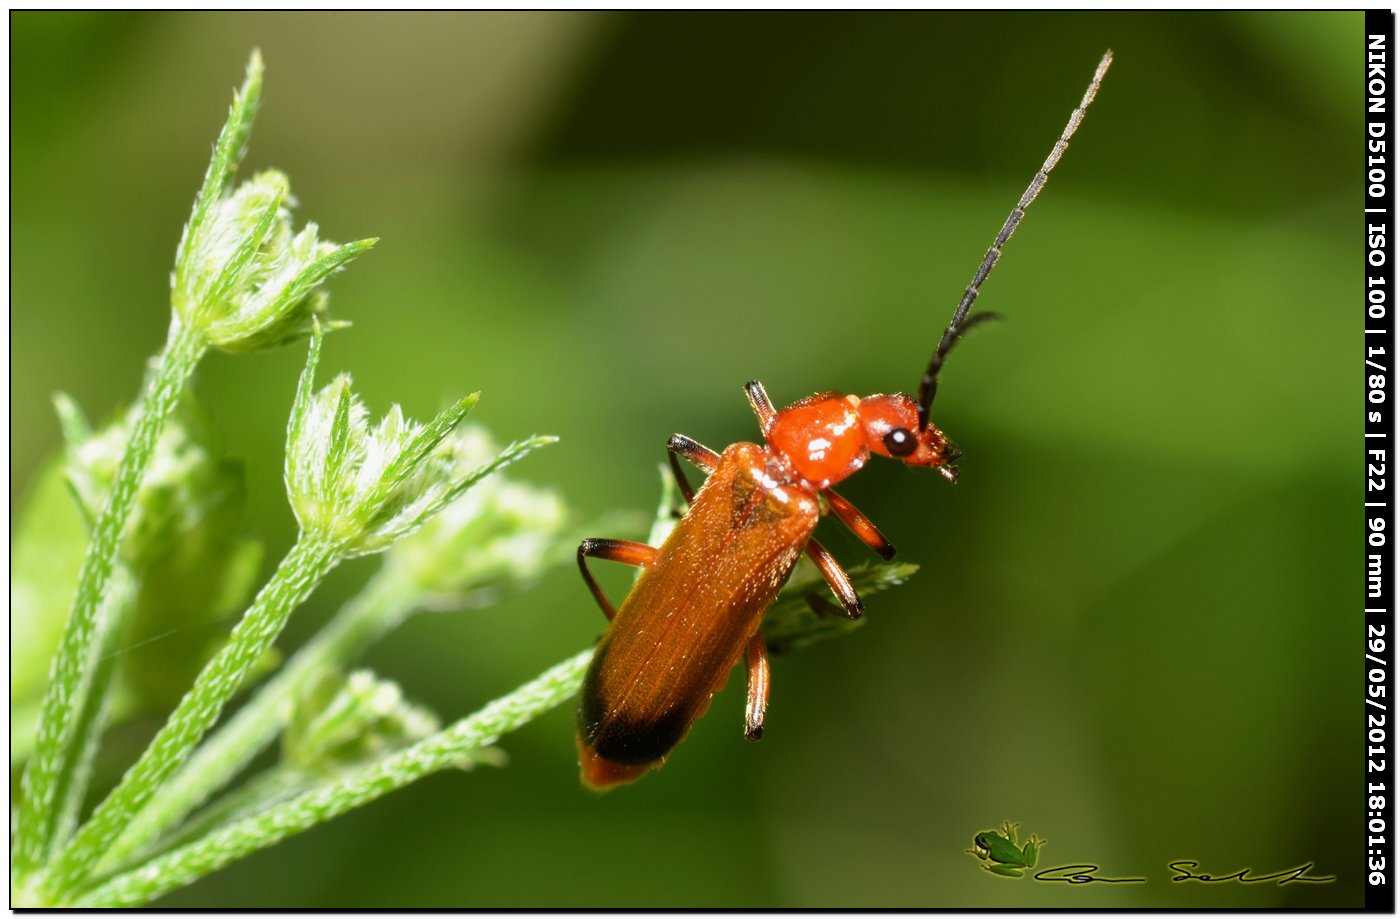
<point>266,789</point>
<point>443,750</point>
<point>71,675</point>
<point>381,606</point>
<point>113,617</point>
<point>300,571</point>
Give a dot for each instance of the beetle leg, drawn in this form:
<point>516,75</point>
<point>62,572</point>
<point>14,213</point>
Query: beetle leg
<point>757,706</point>
<point>697,453</point>
<point>859,524</point>
<point>836,576</point>
<point>762,406</point>
<point>638,554</point>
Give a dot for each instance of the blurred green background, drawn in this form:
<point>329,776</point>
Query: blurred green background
<point>1135,626</point>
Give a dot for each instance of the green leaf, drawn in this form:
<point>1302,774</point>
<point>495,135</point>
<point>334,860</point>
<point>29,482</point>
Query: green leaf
<point>426,441</point>
<point>275,189</point>
<point>302,403</point>
<point>510,454</point>
<point>792,623</point>
<point>313,274</point>
<point>228,153</point>
<point>340,436</point>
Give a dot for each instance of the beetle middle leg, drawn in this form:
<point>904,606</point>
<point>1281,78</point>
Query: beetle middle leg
<point>757,707</point>
<point>637,554</point>
<point>838,579</point>
<point>859,524</point>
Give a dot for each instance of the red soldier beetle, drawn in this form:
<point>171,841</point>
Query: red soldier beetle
<point>699,602</point>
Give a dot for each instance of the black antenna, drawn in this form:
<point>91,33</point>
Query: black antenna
<point>928,386</point>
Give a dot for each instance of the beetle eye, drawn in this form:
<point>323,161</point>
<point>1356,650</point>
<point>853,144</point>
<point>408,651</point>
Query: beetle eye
<point>900,442</point>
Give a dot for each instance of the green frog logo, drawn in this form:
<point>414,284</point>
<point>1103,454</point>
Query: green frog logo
<point>1000,855</point>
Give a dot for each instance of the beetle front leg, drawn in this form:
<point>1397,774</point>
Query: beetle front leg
<point>757,707</point>
<point>838,579</point>
<point>637,554</point>
<point>762,406</point>
<point>697,453</point>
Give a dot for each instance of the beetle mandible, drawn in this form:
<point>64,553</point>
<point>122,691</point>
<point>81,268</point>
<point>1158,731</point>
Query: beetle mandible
<point>699,602</point>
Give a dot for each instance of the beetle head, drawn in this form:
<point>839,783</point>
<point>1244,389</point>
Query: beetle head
<point>891,426</point>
